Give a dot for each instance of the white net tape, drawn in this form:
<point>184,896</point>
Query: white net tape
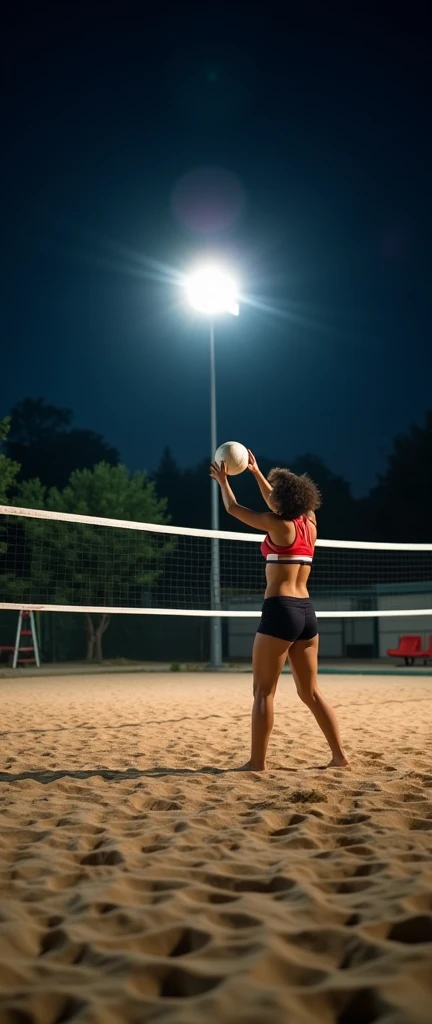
<point>54,561</point>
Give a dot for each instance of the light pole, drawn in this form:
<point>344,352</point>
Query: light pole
<point>212,292</point>
<point>215,596</point>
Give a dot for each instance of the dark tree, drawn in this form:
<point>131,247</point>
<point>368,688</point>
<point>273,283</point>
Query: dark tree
<point>40,441</point>
<point>33,420</point>
<point>187,491</point>
<point>168,479</point>
<point>398,507</point>
<point>8,468</point>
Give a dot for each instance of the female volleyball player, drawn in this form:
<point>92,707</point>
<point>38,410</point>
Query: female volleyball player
<point>288,623</point>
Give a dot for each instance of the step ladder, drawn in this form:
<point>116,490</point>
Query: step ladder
<point>27,653</point>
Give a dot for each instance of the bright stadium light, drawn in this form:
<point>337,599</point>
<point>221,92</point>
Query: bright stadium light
<point>211,291</point>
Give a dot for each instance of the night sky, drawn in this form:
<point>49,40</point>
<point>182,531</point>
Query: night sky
<point>317,137</point>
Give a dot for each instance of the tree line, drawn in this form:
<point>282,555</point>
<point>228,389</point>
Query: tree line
<point>45,462</point>
<point>39,441</point>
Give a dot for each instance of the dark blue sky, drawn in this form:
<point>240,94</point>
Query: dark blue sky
<point>326,130</point>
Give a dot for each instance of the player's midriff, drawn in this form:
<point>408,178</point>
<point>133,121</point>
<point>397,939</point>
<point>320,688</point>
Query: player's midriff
<point>288,566</point>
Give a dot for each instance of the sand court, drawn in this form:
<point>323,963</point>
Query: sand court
<point>143,878</point>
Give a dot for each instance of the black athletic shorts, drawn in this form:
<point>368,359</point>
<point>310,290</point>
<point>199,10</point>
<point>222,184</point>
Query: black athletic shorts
<point>288,618</point>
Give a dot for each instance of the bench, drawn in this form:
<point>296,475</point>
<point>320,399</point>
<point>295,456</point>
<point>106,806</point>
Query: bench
<point>410,648</point>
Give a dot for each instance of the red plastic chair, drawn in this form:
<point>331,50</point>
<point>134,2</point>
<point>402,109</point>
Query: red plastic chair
<point>410,647</point>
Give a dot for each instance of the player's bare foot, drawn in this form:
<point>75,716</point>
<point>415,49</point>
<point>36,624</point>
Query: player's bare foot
<point>339,761</point>
<point>250,767</point>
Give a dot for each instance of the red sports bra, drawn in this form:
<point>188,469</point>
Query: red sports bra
<point>300,552</point>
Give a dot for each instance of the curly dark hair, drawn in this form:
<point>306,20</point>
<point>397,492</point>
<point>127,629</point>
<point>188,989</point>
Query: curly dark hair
<point>292,495</point>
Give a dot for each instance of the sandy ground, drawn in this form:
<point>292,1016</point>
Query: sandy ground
<point>142,879</point>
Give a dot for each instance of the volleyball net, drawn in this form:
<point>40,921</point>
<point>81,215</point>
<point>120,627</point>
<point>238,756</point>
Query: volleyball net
<point>59,562</point>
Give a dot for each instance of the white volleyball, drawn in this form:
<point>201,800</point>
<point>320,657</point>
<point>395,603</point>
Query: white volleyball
<point>234,455</point>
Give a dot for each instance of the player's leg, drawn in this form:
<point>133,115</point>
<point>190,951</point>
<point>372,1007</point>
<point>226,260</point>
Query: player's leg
<point>268,658</point>
<point>303,659</point>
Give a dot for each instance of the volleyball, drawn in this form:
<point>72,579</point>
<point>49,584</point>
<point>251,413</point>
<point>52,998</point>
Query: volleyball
<point>234,455</point>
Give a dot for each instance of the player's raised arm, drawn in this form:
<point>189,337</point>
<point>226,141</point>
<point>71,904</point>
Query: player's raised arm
<point>261,480</point>
<point>258,520</point>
